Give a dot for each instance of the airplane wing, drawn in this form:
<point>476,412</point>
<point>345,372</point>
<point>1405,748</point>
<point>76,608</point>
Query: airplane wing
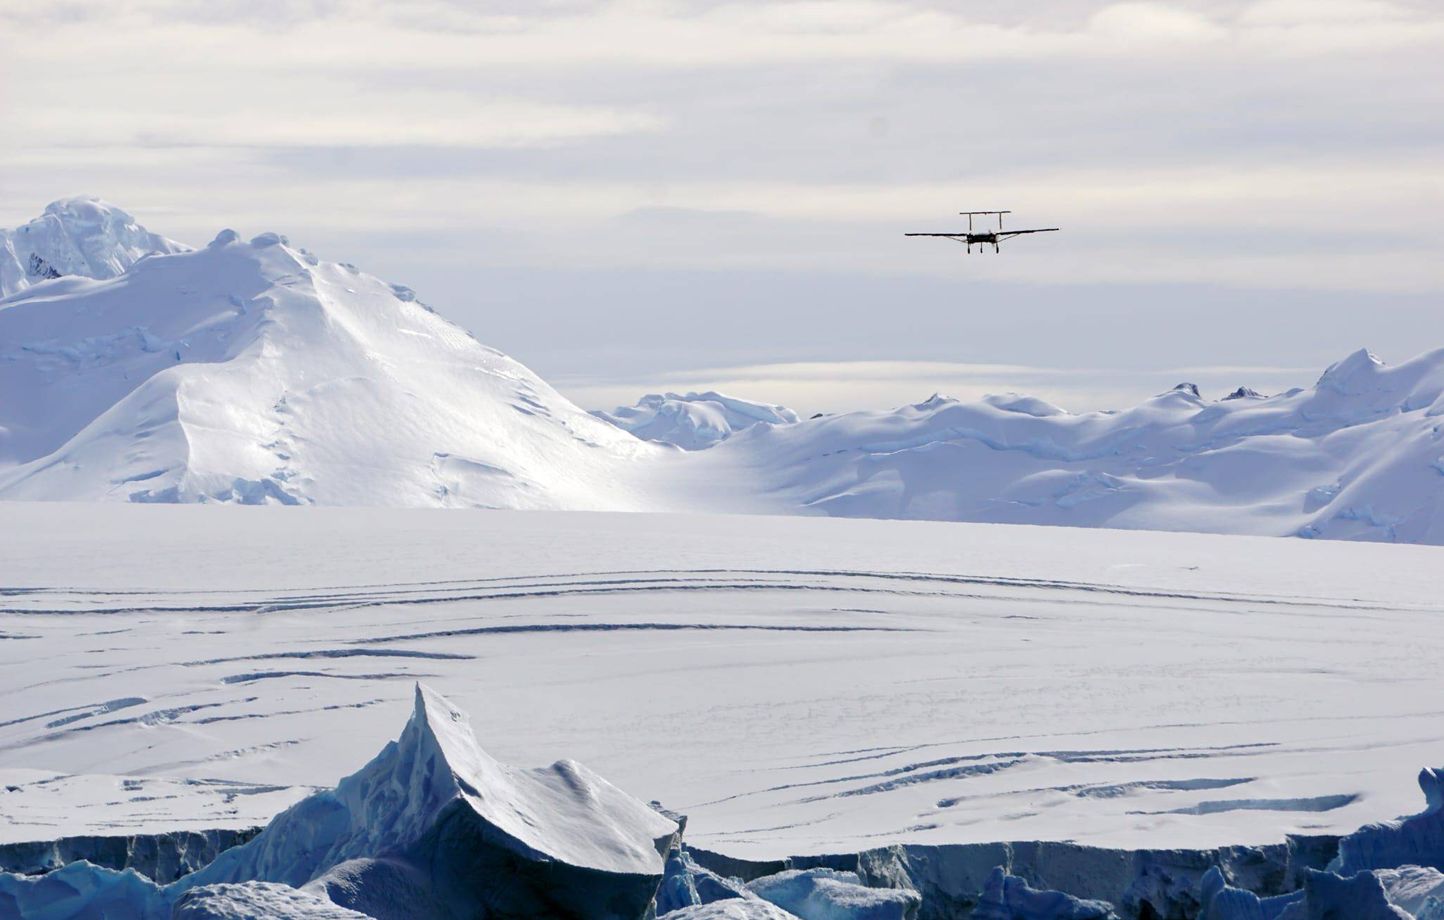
<point>1003,234</point>
<point>951,236</point>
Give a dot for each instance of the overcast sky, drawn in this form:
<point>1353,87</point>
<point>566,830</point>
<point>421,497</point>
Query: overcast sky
<point>637,195</point>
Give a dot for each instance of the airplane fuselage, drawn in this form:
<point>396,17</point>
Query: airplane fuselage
<point>982,238</point>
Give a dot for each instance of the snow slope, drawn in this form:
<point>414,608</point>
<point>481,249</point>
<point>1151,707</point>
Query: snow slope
<point>793,685</point>
<point>1359,455</point>
<point>695,421</point>
<point>75,236</point>
<point>252,372</point>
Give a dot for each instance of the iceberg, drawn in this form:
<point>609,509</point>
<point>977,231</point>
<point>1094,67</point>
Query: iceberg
<point>831,894</point>
<point>686,884</point>
<point>1417,840</point>
<point>734,909</point>
<point>82,890</point>
<point>433,828</point>
<point>258,901</point>
<point>1008,897</point>
<point>435,816</point>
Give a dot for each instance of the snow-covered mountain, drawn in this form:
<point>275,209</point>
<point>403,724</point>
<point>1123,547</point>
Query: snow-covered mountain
<point>1358,455</point>
<point>695,421</point>
<point>253,372</point>
<point>75,236</point>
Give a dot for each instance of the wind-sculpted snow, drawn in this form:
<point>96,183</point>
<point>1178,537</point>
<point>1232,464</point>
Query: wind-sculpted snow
<point>1360,455</point>
<point>254,373</point>
<point>695,421</point>
<point>85,237</point>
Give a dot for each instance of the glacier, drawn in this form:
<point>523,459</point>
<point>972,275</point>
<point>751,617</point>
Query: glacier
<point>254,372</point>
<point>1010,683</point>
<point>1055,784</point>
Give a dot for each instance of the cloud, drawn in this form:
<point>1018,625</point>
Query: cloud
<point>430,36</point>
<point>1154,24</point>
<point>359,120</point>
<point>1274,146</point>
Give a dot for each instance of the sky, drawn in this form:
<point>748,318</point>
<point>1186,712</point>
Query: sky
<point>666,194</point>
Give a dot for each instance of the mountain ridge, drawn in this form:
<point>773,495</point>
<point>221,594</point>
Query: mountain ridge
<point>256,373</point>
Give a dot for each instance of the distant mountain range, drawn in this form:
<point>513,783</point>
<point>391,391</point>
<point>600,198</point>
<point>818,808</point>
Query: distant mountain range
<point>133,368</point>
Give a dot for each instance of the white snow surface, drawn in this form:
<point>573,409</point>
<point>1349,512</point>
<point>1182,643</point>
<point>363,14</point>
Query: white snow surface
<point>794,685</point>
<point>75,236</point>
<point>256,373</point>
<point>695,421</point>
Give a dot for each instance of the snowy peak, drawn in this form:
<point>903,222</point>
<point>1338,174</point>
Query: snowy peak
<point>1353,374</point>
<point>255,372</point>
<point>695,421</point>
<point>86,237</point>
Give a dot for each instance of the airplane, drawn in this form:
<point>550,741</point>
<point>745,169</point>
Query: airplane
<point>984,237</point>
